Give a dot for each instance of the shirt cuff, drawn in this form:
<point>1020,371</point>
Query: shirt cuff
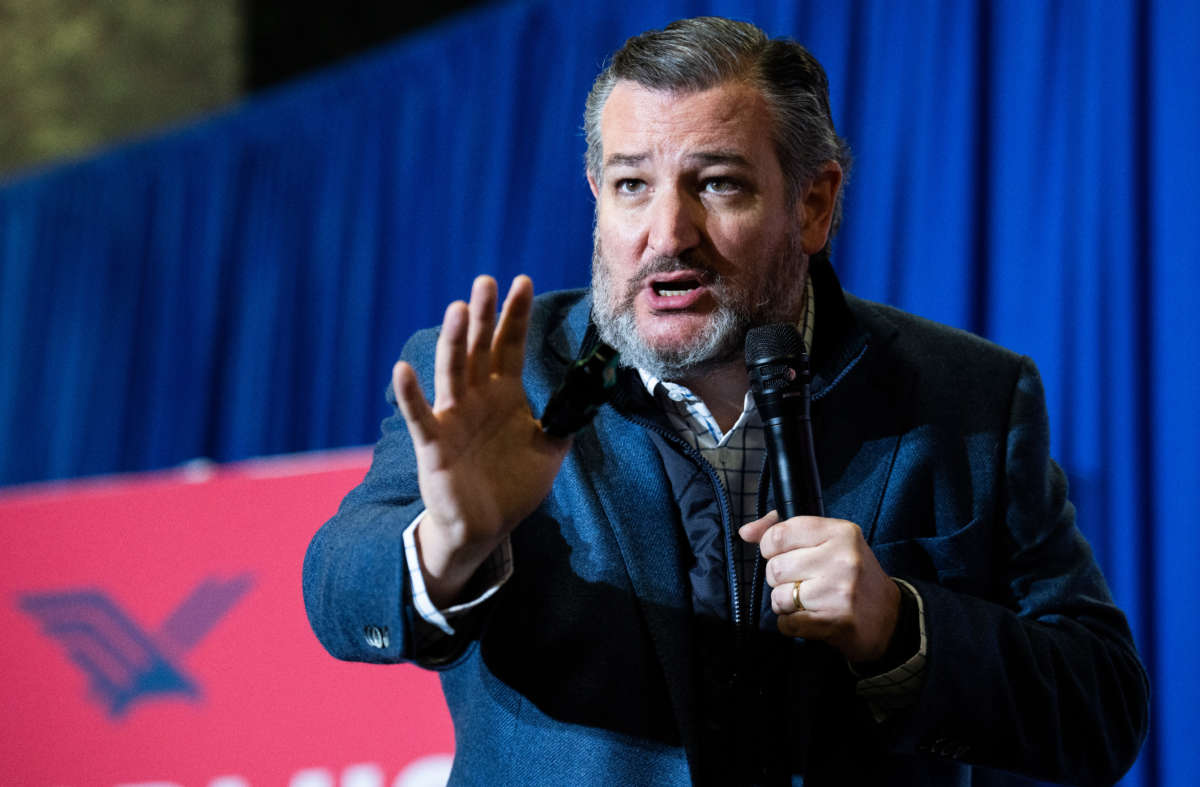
<point>897,688</point>
<point>490,576</point>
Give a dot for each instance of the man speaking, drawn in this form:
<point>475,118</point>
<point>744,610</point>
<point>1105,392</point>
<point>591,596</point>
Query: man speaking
<point>625,605</point>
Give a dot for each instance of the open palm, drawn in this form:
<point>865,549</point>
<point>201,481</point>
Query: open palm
<point>483,462</point>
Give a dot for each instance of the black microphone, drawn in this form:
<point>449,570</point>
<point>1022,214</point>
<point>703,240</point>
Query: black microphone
<point>779,380</point>
<point>590,382</point>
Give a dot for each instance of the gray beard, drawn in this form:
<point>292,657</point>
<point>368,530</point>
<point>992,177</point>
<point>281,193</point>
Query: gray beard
<point>777,297</point>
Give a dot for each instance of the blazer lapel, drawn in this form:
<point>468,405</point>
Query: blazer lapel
<point>859,418</point>
<point>617,460</point>
<point>633,491</point>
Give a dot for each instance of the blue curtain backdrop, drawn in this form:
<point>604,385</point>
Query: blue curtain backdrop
<point>1024,169</point>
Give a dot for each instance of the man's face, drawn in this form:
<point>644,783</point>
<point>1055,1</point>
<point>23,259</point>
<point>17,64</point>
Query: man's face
<point>695,238</point>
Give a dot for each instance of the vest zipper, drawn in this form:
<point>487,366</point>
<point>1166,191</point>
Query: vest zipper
<point>726,516</point>
<point>743,620</point>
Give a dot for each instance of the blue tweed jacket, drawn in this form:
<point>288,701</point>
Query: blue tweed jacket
<point>589,666</point>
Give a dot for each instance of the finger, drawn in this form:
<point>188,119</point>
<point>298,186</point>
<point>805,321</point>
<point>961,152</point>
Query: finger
<point>449,378</point>
<point>808,625</point>
<point>752,532</point>
<point>785,595</point>
<point>795,564</point>
<point>508,346</point>
<point>788,598</point>
<point>795,533</point>
<point>417,414</point>
<point>479,330</point>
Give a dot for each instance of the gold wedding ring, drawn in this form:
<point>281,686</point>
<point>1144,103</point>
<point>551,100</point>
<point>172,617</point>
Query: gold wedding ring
<point>796,595</point>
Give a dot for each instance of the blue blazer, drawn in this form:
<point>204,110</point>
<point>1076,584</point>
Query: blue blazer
<point>589,665</point>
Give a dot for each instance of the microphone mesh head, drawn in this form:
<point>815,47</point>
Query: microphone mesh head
<point>771,343</point>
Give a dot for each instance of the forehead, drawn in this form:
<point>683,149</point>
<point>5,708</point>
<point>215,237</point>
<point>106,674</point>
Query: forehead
<point>731,118</point>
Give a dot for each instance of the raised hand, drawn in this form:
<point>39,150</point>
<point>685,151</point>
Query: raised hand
<point>483,462</point>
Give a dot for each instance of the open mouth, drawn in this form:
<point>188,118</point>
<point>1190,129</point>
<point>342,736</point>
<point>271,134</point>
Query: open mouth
<point>680,290</point>
<point>674,289</point>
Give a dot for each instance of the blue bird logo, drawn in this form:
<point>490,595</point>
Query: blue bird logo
<point>123,662</point>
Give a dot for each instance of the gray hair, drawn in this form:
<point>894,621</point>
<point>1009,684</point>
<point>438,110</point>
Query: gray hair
<point>697,54</point>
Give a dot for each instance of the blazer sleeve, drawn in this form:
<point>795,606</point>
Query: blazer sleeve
<point>356,588</point>
<point>1046,682</point>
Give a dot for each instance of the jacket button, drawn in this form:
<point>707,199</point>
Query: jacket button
<point>377,637</point>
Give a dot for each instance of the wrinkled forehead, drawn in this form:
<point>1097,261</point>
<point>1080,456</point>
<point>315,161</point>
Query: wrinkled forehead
<point>732,110</point>
<point>731,118</point>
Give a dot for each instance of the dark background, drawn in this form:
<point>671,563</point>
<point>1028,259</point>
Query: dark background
<point>77,76</point>
<point>285,40</point>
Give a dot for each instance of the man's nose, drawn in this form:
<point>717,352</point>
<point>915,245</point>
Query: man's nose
<point>676,219</point>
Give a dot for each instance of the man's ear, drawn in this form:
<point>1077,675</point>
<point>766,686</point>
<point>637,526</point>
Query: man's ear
<point>592,185</point>
<point>815,207</point>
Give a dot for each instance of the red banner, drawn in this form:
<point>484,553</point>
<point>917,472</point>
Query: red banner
<point>154,633</point>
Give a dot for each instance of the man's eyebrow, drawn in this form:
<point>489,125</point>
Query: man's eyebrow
<point>703,158</point>
<point>625,159</point>
<point>710,158</point>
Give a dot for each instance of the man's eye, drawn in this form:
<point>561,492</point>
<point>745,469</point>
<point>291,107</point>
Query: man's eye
<point>722,186</point>
<point>630,186</point>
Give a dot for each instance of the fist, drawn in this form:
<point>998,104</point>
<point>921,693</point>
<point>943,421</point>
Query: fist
<point>826,583</point>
